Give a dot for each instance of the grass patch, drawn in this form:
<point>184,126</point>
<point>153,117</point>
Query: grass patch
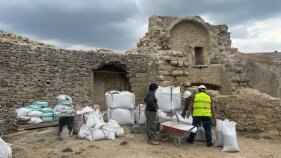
<point>124,143</point>
<point>67,150</point>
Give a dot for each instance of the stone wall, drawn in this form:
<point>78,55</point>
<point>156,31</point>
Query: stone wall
<point>30,73</point>
<point>166,32</point>
<point>253,111</point>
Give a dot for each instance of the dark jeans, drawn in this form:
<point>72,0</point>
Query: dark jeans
<point>185,108</point>
<point>69,121</point>
<point>151,124</point>
<point>206,122</point>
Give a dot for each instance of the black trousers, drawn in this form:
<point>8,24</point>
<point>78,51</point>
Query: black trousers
<point>207,123</point>
<point>69,121</point>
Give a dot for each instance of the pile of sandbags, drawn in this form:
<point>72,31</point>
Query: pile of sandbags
<point>82,116</point>
<point>64,106</point>
<point>169,98</point>
<point>96,129</point>
<point>35,113</point>
<point>226,135</point>
<point>120,106</point>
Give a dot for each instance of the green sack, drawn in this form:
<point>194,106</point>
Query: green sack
<point>34,107</point>
<point>41,104</point>
<point>47,115</point>
<point>47,110</point>
<point>47,119</point>
<point>57,114</point>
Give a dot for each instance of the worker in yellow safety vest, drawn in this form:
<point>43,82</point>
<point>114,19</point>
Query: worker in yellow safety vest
<point>202,112</point>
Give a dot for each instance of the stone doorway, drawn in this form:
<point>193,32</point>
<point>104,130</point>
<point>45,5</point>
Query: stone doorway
<point>108,78</point>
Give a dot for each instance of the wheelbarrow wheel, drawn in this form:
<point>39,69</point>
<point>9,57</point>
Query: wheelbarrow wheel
<point>164,136</point>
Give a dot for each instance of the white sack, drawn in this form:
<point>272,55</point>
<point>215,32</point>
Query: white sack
<point>139,114</point>
<point>85,132</point>
<point>35,120</point>
<point>169,98</point>
<point>188,121</point>
<point>229,137</point>
<point>23,118</point>
<point>5,149</point>
<point>200,135</point>
<point>99,125</point>
<point>163,117</point>
<point>120,132</point>
<point>178,118</point>
<point>35,114</point>
<point>99,134</point>
<point>116,99</point>
<point>121,116</point>
<point>93,119</point>
<point>85,110</point>
<point>23,112</point>
<point>219,134</point>
<point>113,126</point>
<point>62,98</point>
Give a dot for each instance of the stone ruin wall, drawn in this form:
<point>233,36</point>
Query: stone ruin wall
<point>30,73</point>
<point>33,71</point>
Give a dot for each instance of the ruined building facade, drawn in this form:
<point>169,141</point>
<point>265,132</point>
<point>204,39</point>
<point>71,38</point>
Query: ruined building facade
<point>175,51</point>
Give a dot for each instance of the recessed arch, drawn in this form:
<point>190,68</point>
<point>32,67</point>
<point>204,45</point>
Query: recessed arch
<point>209,86</point>
<point>109,76</point>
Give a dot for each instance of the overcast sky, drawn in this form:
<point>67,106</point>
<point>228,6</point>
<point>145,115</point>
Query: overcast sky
<point>255,25</point>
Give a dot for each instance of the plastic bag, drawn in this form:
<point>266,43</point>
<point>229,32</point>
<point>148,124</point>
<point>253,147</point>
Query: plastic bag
<point>5,149</point>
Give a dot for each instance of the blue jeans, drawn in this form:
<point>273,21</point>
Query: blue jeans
<point>207,123</point>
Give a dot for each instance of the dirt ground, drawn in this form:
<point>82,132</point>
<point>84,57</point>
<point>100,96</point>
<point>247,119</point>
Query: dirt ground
<point>44,143</point>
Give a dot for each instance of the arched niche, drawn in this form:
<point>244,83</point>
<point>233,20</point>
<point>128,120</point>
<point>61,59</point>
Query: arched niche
<point>191,37</point>
<point>107,77</point>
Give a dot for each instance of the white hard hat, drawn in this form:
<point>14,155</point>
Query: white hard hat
<point>186,94</point>
<point>202,87</point>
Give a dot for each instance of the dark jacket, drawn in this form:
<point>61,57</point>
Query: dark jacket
<point>151,102</point>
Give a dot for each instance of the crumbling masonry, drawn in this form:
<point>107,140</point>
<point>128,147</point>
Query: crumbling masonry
<point>175,51</point>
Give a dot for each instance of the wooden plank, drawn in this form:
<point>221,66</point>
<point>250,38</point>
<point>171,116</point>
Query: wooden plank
<point>20,127</point>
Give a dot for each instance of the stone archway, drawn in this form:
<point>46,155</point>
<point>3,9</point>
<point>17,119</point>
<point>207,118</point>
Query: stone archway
<point>107,77</point>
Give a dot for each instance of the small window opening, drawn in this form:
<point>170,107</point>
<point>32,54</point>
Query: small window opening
<point>199,58</point>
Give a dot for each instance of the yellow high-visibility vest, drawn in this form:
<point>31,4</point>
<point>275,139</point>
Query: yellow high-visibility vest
<point>202,105</point>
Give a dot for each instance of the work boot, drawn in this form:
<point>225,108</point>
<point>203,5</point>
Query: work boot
<point>153,142</point>
<point>210,144</point>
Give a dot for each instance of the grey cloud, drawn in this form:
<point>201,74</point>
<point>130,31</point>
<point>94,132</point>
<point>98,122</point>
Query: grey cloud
<point>94,23</point>
<point>88,26</point>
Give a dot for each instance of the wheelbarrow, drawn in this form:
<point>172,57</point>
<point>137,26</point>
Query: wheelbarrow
<point>177,131</point>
